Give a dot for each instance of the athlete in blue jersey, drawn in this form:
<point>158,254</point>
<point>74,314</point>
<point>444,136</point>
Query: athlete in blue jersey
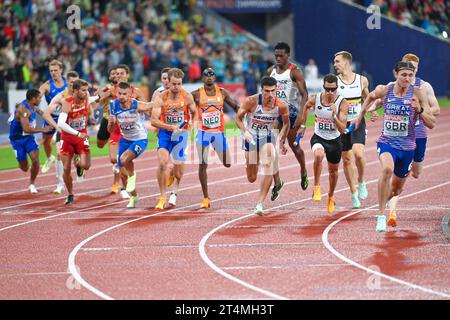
<point>128,114</point>
<point>21,134</point>
<point>397,142</point>
<point>56,84</point>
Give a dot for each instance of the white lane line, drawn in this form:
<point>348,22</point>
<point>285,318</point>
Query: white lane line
<point>33,274</point>
<point>213,266</point>
<point>380,274</point>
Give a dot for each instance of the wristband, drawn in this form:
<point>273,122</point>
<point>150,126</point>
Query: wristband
<point>302,126</point>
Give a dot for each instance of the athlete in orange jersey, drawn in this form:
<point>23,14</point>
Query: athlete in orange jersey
<point>210,100</point>
<point>171,109</point>
<point>73,122</point>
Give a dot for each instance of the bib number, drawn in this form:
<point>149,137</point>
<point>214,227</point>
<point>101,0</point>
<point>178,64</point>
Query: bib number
<point>396,126</point>
<point>211,120</point>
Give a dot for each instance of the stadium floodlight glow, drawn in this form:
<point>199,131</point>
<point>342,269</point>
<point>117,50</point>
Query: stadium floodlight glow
<point>444,34</point>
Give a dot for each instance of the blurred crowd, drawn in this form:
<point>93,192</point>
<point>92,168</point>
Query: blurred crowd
<point>431,15</point>
<point>146,35</point>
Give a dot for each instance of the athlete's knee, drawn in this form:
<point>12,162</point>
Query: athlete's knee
<point>387,172</point>
<point>346,158</point>
<point>23,166</point>
<point>251,177</point>
<point>333,169</point>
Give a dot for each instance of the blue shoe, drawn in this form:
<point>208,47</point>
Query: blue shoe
<point>355,200</point>
<point>363,194</point>
<point>381,223</point>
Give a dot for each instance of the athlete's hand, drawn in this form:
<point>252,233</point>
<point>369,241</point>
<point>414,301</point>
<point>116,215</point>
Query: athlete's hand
<point>248,136</point>
<point>176,129</point>
<point>301,130</point>
<point>374,116</point>
<point>283,148</point>
<point>111,119</point>
<point>47,129</point>
<point>84,136</point>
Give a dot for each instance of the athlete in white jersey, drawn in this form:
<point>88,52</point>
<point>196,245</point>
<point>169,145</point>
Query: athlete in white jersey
<point>330,111</point>
<point>291,88</point>
<point>354,88</point>
<point>261,112</point>
<point>128,113</point>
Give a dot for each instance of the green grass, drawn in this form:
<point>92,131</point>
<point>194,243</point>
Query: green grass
<point>8,160</point>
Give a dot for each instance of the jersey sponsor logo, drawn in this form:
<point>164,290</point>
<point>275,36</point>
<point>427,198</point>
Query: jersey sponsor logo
<point>137,149</point>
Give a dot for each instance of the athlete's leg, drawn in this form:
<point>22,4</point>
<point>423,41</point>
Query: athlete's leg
<point>384,180</point>
<point>319,154</point>
<point>359,151</point>
<point>269,162</point>
<point>34,170</point>
<point>349,170</point>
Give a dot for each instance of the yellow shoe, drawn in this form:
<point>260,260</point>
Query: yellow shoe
<point>170,180</point>
<point>392,221</point>
<point>161,203</point>
<point>316,194</point>
<point>205,203</point>
<point>330,204</point>
<point>115,188</point>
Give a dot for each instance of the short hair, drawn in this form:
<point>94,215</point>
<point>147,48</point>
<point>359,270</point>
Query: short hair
<point>345,54</point>
<point>175,72</point>
<point>111,70</point>
<point>165,70</point>
<point>77,84</point>
<point>123,85</point>
<point>268,81</point>
<point>33,93</point>
<point>123,66</point>
<point>401,65</point>
<point>330,78</point>
<point>55,62</point>
<point>283,46</point>
<point>411,57</point>
<point>72,74</point>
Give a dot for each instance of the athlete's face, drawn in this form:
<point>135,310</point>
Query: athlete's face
<point>121,75</point>
<point>175,84</point>
<point>330,90</point>
<point>340,64</point>
<point>416,66</point>
<point>165,80</point>
<point>281,57</point>
<point>269,93</point>
<point>123,95</point>
<point>405,77</point>
<point>112,76</point>
<point>55,72</point>
<point>82,93</point>
<point>36,101</point>
<point>209,77</point>
<point>70,82</point>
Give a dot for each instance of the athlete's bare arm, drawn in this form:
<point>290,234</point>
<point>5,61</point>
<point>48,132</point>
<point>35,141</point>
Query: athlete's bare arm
<point>434,104</point>
<point>192,108</point>
<point>156,115</point>
<point>56,101</point>
<point>297,76</point>
<point>284,112</point>
<point>24,116</point>
<point>341,119</point>
<point>307,107</point>
<point>227,98</point>
<point>196,96</point>
<point>423,108</point>
<point>365,87</point>
<point>45,88</point>
<point>379,93</point>
<point>145,107</point>
<point>249,105</point>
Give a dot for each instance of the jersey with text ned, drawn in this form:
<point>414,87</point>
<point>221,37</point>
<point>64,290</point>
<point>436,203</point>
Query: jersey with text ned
<point>399,120</point>
<point>260,123</point>
<point>421,130</point>
<point>210,111</point>
<point>352,92</point>
<point>130,121</point>
<point>324,125</point>
<point>287,88</point>
<point>175,111</point>
<point>53,91</point>
<point>15,129</point>
<point>78,117</point>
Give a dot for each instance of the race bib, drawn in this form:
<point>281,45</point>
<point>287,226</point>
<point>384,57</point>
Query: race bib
<point>354,109</point>
<point>211,120</point>
<point>325,125</point>
<point>174,118</point>
<point>78,124</point>
<point>127,126</point>
<point>396,125</point>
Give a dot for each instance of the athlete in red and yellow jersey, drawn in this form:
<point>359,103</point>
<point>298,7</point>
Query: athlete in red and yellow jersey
<point>73,122</point>
<point>210,100</point>
<point>171,109</point>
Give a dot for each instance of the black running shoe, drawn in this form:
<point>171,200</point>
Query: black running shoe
<point>80,171</point>
<point>276,190</point>
<point>69,199</point>
<point>305,182</point>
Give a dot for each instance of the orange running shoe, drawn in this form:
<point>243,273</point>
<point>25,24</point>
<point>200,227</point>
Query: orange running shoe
<point>205,203</point>
<point>161,203</point>
<point>392,221</point>
<point>316,194</point>
<point>330,206</point>
<point>115,188</point>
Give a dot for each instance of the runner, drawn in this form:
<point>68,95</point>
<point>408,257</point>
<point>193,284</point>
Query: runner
<point>396,145</point>
<point>73,122</point>
<point>127,112</point>
<point>21,134</point>
<point>354,88</point>
<point>210,99</point>
<point>262,111</point>
<point>330,110</point>
<point>169,112</point>
<point>56,84</point>
<point>290,84</point>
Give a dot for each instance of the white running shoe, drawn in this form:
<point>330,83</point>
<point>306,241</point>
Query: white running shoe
<point>80,179</point>
<point>173,199</point>
<point>59,189</point>
<point>48,163</point>
<point>124,194</point>
<point>32,188</point>
<point>259,209</point>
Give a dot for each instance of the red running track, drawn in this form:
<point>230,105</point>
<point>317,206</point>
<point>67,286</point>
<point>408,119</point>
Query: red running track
<point>98,249</point>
